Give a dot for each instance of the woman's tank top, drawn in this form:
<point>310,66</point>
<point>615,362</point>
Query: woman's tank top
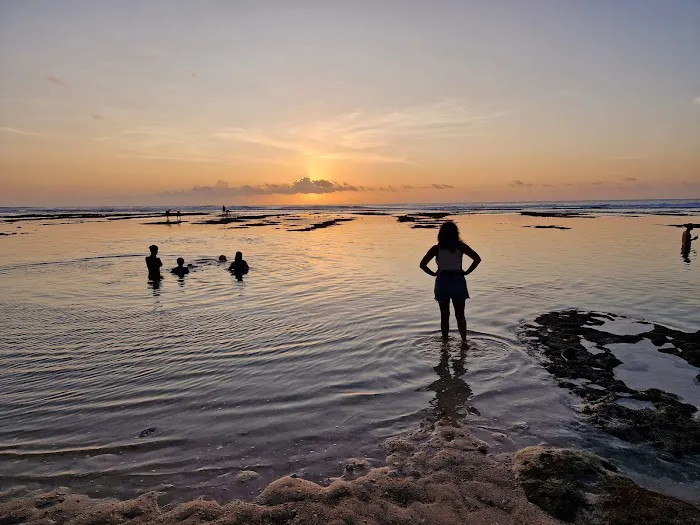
<point>448,261</point>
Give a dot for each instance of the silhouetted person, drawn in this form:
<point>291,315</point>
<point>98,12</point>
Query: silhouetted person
<point>180,270</point>
<point>167,215</point>
<point>450,284</point>
<point>153,263</point>
<point>222,258</point>
<point>687,241</point>
<point>179,216</point>
<point>239,267</point>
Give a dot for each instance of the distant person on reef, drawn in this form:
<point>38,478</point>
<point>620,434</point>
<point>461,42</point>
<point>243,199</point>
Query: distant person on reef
<point>167,215</point>
<point>180,270</point>
<point>239,267</point>
<point>179,216</point>
<point>224,211</point>
<point>153,263</point>
<point>687,240</point>
<point>450,284</point>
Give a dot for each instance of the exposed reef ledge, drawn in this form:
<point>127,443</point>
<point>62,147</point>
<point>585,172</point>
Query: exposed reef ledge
<point>588,371</point>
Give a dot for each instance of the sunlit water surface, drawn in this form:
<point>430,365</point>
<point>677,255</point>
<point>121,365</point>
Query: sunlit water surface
<point>328,347</point>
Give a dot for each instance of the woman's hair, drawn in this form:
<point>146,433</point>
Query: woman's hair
<point>448,236</point>
<point>239,256</point>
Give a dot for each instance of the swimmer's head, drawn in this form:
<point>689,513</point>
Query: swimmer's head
<point>222,258</point>
<point>239,256</point>
<point>180,261</point>
<point>153,248</point>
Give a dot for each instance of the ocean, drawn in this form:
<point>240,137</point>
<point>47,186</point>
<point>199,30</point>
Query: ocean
<point>114,386</point>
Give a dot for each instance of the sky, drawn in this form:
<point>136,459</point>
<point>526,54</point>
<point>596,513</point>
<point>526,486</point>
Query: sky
<point>125,102</point>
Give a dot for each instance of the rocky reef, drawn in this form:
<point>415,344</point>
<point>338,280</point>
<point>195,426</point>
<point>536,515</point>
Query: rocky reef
<point>575,349</point>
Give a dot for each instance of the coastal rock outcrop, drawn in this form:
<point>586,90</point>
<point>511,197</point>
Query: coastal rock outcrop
<point>576,348</point>
<point>579,487</point>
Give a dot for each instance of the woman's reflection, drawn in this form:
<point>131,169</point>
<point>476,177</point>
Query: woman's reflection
<point>452,394</point>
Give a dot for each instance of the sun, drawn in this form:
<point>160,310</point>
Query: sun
<point>312,197</point>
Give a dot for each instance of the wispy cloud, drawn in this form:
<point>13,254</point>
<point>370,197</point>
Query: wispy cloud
<point>18,131</point>
<point>56,81</point>
<point>369,135</point>
<point>520,184</point>
<point>629,158</point>
<point>630,179</point>
<point>696,101</point>
<point>97,116</point>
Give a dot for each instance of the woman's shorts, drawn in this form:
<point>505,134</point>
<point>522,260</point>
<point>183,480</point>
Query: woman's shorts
<point>451,286</point>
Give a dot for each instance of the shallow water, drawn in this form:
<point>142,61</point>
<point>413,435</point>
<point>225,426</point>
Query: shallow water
<point>328,346</point>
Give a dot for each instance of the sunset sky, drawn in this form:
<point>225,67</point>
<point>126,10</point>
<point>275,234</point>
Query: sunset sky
<point>244,102</point>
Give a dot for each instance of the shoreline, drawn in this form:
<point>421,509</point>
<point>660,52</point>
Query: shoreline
<point>439,474</point>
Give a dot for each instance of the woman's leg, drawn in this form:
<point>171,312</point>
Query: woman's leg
<point>461,319</point>
<point>445,318</point>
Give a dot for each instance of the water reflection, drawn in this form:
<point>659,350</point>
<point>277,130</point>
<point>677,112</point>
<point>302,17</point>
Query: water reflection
<point>452,393</point>
<point>154,285</point>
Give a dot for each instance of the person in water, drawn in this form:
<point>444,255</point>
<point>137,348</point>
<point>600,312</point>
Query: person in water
<point>179,216</point>
<point>239,267</point>
<point>450,282</point>
<point>687,240</point>
<point>180,270</point>
<point>153,263</point>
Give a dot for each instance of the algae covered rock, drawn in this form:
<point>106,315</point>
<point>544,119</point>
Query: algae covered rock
<point>575,347</point>
<point>579,487</point>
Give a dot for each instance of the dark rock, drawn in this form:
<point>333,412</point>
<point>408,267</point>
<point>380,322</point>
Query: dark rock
<point>547,227</point>
<point>582,488</point>
<point>670,426</point>
<point>324,224</point>
<point>147,432</point>
<point>571,214</point>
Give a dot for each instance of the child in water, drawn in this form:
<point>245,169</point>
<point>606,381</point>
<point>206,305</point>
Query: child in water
<point>180,269</point>
<point>153,263</point>
<point>238,267</point>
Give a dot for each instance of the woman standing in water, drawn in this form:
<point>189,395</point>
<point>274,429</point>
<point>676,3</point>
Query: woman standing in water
<point>450,284</point>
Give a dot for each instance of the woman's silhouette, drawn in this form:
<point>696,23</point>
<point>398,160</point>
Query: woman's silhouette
<point>450,284</point>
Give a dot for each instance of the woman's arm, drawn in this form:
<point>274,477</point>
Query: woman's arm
<point>432,252</point>
<point>466,250</point>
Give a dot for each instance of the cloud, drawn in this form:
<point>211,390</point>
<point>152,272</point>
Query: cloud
<point>302,186</point>
<point>629,158</point>
<point>56,81</point>
<point>520,184</point>
<point>18,131</point>
<point>194,75</point>
<point>696,101</point>
<point>97,116</point>
<point>630,179</point>
<point>597,183</point>
<point>547,185</point>
<point>369,135</point>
